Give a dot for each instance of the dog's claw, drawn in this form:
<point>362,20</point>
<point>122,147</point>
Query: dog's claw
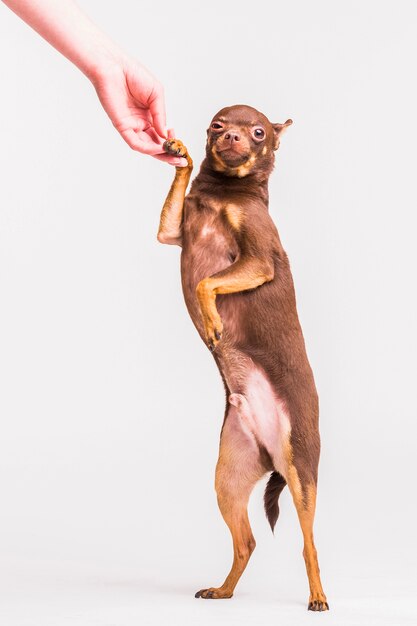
<point>212,342</point>
<point>174,147</point>
<point>213,593</point>
<point>317,605</point>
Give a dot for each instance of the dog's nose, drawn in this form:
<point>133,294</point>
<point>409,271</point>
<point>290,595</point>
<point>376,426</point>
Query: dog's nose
<point>232,135</point>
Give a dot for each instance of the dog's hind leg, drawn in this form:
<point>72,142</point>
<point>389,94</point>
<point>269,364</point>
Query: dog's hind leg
<point>304,496</point>
<point>238,469</point>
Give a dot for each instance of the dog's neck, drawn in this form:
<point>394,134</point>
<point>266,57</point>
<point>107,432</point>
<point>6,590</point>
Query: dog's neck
<point>209,181</point>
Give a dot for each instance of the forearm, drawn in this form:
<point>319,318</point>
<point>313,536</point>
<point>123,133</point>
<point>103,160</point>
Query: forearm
<point>131,96</point>
<point>246,273</point>
<point>171,215</point>
<point>68,29</point>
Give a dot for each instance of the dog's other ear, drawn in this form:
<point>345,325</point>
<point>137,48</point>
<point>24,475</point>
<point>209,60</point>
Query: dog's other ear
<point>279,129</point>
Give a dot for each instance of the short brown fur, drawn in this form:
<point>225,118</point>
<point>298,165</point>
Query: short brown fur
<point>239,292</point>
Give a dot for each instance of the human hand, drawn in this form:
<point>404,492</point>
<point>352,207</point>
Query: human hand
<point>134,101</point>
<point>130,95</point>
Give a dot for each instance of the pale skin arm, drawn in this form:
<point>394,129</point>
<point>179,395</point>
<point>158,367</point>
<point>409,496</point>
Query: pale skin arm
<point>132,98</point>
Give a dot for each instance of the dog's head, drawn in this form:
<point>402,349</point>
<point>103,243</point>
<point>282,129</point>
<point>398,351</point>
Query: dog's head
<point>242,141</point>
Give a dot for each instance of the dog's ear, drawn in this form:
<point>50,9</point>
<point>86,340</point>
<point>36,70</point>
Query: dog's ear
<point>279,129</point>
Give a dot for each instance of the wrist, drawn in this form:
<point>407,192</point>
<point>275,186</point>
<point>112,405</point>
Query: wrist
<point>102,62</point>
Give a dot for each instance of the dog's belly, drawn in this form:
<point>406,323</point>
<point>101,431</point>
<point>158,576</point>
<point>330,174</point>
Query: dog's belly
<point>261,414</point>
<point>255,409</point>
<point>250,343</point>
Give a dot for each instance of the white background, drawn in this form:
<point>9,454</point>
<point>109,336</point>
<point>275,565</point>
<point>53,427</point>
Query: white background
<point>111,406</point>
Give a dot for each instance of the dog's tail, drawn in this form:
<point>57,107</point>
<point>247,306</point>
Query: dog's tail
<point>275,485</point>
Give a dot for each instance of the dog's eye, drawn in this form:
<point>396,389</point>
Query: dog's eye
<point>258,133</point>
<point>216,126</point>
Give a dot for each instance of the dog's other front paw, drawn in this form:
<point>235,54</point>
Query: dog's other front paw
<point>213,593</point>
<point>213,325</point>
<point>175,147</point>
<point>214,330</point>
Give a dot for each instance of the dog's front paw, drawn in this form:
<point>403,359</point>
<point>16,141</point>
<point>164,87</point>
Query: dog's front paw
<point>213,326</point>
<point>213,593</point>
<point>175,147</point>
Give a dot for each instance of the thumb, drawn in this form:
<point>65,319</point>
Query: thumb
<point>135,141</point>
<point>156,104</point>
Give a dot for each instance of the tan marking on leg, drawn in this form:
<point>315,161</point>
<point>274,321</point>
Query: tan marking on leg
<point>245,273</point>
<point>243,545</point>
<point>171,216</point>
<point>237,471</point>
<point>305,509</point>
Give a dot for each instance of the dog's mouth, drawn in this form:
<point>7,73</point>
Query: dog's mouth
<point>232,157</point>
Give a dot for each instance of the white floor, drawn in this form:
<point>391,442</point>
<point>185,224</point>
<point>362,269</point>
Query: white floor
<point>67,594</point>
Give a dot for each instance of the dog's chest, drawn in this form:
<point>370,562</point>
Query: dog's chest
<point>208,244</point>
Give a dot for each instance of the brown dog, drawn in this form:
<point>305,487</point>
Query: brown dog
<point>239,292</point>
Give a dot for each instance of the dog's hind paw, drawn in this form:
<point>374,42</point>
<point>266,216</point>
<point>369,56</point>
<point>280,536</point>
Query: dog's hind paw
<point>318,605</point>
<point>213,593</point>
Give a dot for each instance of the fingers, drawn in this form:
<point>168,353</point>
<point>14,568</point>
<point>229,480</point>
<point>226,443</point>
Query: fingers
<point>141,142</point>
<point>177,161</point>
<point>156,104</point>
<point>135,103</point>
